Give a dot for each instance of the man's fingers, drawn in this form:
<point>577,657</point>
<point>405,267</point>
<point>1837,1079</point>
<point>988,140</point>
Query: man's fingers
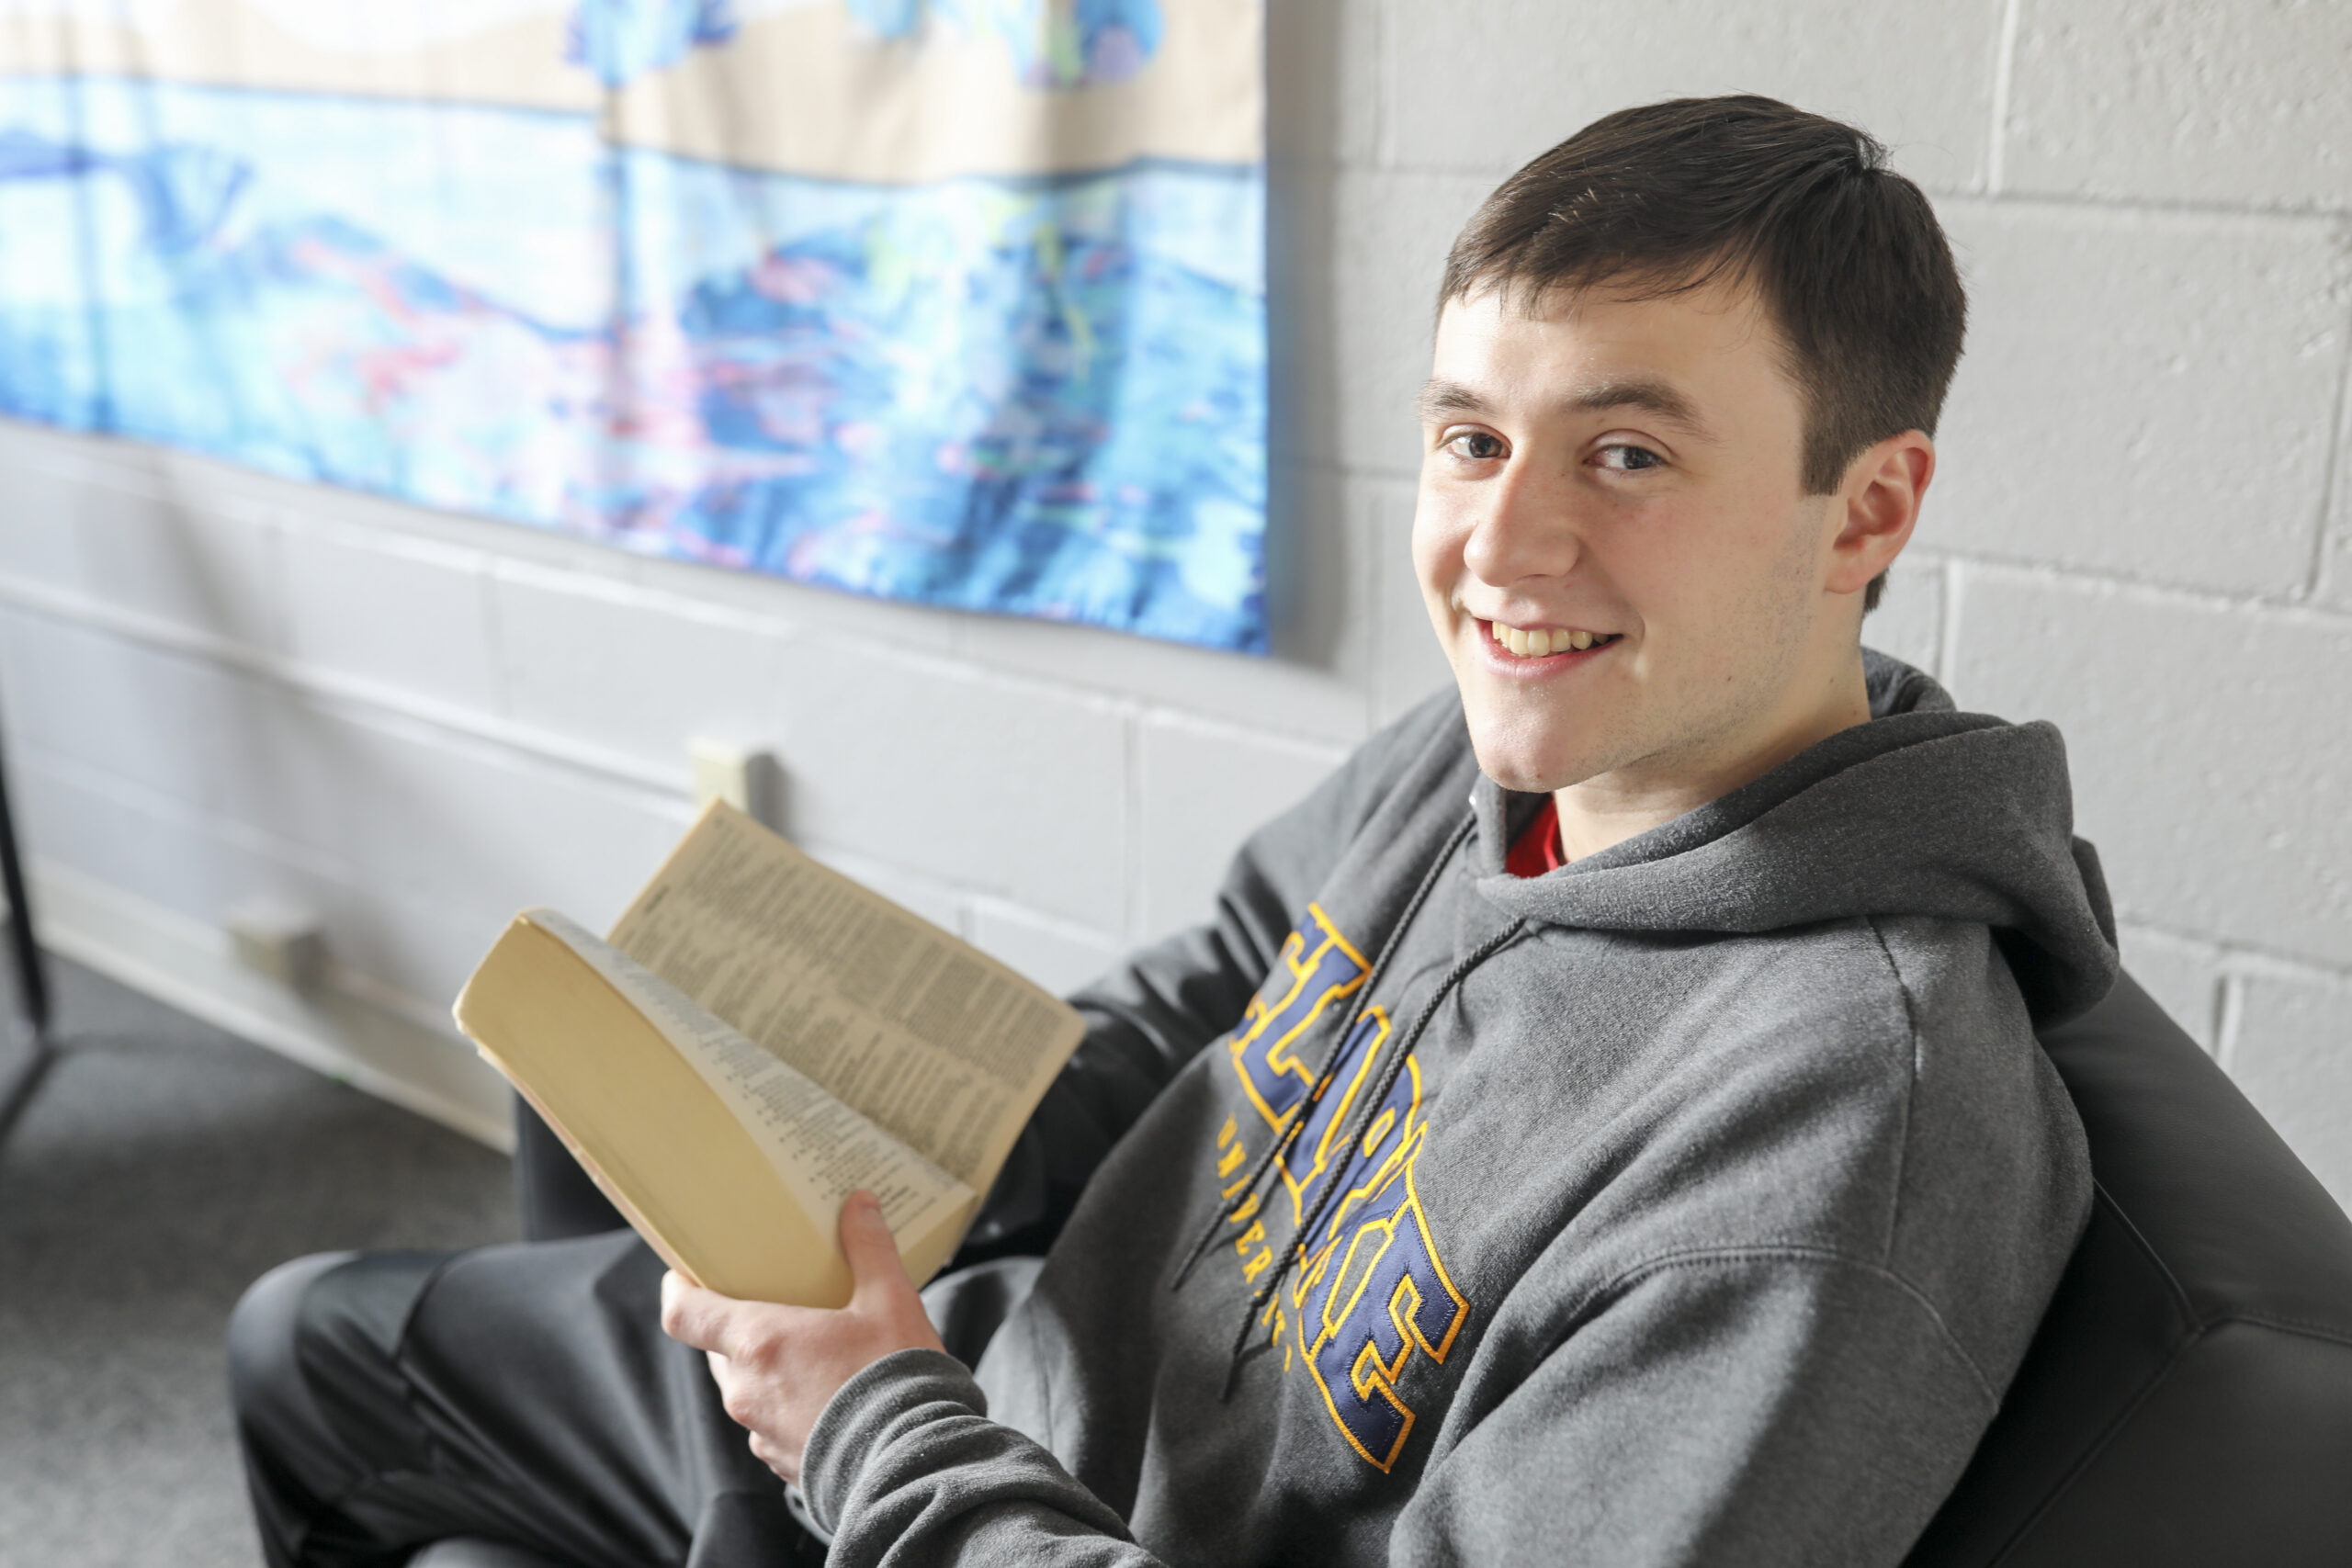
<point>692,1315</point>
<point>775,1366</point>
<point>872,1251</point>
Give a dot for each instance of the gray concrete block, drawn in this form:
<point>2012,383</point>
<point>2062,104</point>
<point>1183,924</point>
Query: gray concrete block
<point>1011,789</point>
<point>2184,976</point>
<point>94,521</point>
<point>80,818</point>
<point>408,615</point>
<point>414,813</point>
<point>2235,102</point>
<point>1909,621</point>
<point>2332,570</point>
<point>1201,791</point>
<point>415,846</point>
<point>614,665</point>
<point>1354,310</point>
<point>2211,748</point>
<point>414,953</point>
<point>2290,1051</point>
<point>1409,661</point>
<point>446,820</point>
<point>1487,87</point>
<point>2148,394</point>
<point>191,734</point>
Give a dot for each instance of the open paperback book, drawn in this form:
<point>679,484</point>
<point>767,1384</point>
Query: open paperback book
<point>758,1037</point>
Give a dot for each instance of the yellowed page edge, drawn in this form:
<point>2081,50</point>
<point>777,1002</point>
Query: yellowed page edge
<point>773,1251</point>
<point>915,1192</point>
<point>612,1190</point>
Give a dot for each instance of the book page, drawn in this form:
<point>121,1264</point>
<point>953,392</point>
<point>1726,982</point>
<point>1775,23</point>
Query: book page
<point>933,1039</point>
<point>823,1148</point>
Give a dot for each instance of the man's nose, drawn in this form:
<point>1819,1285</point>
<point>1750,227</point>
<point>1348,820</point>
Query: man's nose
<point>1525,528</point>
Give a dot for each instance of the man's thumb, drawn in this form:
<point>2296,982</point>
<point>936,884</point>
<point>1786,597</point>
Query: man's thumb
<point>866,1242</point>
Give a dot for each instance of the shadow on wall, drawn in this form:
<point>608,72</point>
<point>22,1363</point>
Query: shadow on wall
<point>1312,576</point>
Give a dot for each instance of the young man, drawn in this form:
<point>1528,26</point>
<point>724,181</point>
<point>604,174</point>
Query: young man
<point>1602,1124</point>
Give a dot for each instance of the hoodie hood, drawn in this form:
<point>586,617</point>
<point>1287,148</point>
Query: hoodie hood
<point>1923,811</point>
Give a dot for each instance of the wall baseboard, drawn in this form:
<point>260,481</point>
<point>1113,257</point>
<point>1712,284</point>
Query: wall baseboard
<point>349,1038</point>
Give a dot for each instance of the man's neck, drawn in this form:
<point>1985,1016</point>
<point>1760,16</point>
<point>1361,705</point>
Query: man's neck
<point>1609,809</point>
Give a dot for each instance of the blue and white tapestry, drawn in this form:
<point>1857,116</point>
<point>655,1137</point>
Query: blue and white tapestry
<point>961,301</point>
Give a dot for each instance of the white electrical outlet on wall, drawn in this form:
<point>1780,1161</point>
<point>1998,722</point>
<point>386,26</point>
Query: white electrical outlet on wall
<point>747,777</point>
<point>282,940</point>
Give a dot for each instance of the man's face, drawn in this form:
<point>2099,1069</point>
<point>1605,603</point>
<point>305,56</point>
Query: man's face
<point>1624,472</point>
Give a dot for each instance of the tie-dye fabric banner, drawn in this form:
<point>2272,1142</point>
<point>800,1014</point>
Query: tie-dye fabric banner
<point>960,301</point>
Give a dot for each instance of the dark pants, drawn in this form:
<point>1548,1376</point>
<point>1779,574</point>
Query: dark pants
<point>519,1394</point>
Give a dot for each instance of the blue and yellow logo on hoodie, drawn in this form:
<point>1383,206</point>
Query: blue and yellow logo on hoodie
<point>1370,1292</point>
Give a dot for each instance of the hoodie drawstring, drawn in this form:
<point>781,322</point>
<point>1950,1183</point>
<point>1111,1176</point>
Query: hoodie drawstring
<point>1359,1121</point>
<point>1348,1019</point>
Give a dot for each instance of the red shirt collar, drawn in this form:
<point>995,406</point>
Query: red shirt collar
<point>1537,848</point>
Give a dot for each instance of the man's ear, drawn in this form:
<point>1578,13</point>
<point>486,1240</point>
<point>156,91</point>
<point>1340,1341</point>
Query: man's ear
<point>1880,506</point>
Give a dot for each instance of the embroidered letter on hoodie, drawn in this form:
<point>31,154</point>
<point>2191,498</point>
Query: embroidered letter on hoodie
<point>1372,1291</point>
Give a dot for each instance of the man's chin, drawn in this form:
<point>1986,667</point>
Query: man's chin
<point>1530,747</point>
<point>1530,772</point>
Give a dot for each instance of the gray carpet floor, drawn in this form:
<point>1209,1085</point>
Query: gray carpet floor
<point>165,1165</point>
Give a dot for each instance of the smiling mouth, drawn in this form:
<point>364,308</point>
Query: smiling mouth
<point>1544,642</point>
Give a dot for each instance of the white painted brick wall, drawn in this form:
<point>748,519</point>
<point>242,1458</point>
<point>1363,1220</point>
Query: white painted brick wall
<point>638,673</point>
<point>2119,363</point>
<point>2211,746</point>
<point>2284,1047</point>
<point>214,684</point>
<point>408,615</point>
<point>1484,87</point>
<point>2237,104</point>
<point>1200,785</point>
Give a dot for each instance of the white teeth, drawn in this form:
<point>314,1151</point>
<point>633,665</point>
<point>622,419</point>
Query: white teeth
<point>1542,641</point>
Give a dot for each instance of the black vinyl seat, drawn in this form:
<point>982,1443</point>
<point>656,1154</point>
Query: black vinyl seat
<point>2189,1397</point>
<point>2187,1400</point>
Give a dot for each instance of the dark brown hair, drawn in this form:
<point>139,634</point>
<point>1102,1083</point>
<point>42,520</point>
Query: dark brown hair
<point>1845,255</point>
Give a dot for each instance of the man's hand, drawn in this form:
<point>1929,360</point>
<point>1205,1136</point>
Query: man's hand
<point>777,1366</point>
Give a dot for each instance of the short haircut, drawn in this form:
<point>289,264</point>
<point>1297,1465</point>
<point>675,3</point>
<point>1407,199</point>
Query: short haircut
<point>1845,255</point>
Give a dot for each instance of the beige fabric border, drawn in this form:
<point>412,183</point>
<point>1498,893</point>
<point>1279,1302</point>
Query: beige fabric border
<point>800,91</point>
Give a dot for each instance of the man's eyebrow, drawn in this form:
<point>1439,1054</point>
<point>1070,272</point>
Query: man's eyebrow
<point>1441,398</point>
<point>1640,392</point>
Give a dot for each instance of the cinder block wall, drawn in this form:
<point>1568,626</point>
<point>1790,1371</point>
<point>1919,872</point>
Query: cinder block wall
<point>217,684</point>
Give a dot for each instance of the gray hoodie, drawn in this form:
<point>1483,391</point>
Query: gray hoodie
<point>1692,1203</point>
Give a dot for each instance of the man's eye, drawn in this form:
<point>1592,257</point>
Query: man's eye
<point>1477,445</point>
<point>1628,459</point>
